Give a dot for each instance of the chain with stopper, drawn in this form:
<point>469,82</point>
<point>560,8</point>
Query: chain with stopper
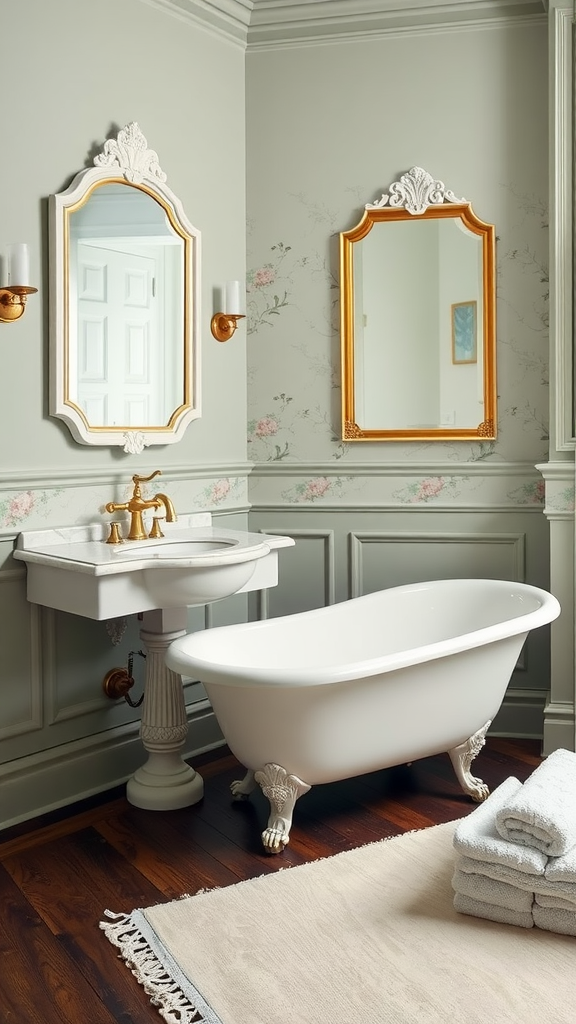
<point>119,681</point>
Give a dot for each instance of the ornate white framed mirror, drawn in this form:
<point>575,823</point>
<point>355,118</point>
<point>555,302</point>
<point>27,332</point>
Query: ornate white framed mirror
<point>418,332</point>
<point>124,302</point>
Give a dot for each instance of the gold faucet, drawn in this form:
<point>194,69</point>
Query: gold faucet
<point>136,506</point>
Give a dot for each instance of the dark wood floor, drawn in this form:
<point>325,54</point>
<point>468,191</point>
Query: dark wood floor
<point>59,874</point>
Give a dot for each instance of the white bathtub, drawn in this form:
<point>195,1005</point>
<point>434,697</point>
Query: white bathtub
<point>366,684</point>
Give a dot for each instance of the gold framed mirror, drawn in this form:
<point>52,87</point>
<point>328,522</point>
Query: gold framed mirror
<point>417,316</point>
<point>125,302</point>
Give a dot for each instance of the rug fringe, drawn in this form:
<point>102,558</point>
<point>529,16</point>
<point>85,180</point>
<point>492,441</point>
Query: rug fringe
<point>173,1005</point>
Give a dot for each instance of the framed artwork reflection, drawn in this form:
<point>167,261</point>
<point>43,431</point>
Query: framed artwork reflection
<point>464,343</point>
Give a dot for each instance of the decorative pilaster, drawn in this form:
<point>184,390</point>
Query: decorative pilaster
<point>559,718</point>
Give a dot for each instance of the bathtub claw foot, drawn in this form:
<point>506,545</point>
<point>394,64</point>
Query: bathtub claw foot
<point>241,788</point>
<point>282,790</point>
<point>462,757</point>
<point>275,839</point>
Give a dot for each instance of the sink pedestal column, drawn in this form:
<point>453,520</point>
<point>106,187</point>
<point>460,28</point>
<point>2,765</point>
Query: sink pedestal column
<point>165,782</point>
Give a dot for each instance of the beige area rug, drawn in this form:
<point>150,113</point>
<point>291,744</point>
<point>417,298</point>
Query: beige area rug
<point>369,936</point>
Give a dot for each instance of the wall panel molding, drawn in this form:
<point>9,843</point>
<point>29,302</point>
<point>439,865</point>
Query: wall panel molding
<point>31,626</point>
<point>326,538</point>
<point>358,552</point>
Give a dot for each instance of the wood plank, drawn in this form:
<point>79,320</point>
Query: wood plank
<point>159,854</point>
<point>69,884</point>
<point>37,836</point>
<point>38,981</point>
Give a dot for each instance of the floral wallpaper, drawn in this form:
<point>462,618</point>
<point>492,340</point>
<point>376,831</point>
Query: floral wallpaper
<point>34,508</point>
<point>294,366</point>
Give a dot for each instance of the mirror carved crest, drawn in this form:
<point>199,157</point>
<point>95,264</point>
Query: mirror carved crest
<point>418,335</point>
<point>125,302</point>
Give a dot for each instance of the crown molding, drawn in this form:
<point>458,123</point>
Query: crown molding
<point>228,18</point>
<point>264,24</point>
<point>293,22</point>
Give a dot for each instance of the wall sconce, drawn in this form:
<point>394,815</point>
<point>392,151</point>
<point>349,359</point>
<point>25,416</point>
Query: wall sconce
<point>223,325</point>
<point>13,296</point>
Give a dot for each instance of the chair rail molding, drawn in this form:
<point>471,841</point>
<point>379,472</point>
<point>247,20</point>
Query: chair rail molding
<point>31,480</point>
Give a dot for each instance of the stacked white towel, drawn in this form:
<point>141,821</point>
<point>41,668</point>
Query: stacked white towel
<point>542,813</point>
<point>505,870</point>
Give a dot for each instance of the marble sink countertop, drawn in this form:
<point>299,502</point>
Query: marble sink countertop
<point>84,549</point>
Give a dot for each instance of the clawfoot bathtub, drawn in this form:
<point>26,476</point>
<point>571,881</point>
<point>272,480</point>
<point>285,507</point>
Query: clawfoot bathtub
<point>366,684</point>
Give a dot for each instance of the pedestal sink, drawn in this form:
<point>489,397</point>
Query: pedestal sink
<point>74,570</point>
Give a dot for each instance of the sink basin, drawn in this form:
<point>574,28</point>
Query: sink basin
<point>173,549</point>
<point>184,548</point>
<point>75,570</point>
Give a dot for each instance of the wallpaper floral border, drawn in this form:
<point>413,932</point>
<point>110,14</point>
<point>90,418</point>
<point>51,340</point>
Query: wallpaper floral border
<point>33,508</point>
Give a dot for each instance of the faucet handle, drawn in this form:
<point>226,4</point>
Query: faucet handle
<point>115,537</point>
<point>145,479</point>
<point>155,530</point>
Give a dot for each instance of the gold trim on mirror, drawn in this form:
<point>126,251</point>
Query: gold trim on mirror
<point>125,302</point>
<point>375,365</point>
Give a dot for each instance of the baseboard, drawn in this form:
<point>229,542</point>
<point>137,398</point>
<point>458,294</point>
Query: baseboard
<point>559,727</point>
<point>520,716</point>
<point>66,774</point>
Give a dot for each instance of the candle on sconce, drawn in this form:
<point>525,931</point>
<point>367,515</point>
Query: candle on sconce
<point>233,298</point>
<point>18,264</point>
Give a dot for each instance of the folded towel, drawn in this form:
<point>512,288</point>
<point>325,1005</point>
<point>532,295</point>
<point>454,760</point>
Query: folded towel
<point>542,814</point>
<point>554,902</point>
<point>476,835</point>
<point>487,890</point>
<point>500,873</point>
<point>489,911</point>
<point>553,920</point>
<point>562,869</point>
<point>519,879</point>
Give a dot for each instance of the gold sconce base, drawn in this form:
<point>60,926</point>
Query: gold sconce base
<point>13,302</point>
<point>223,325</point>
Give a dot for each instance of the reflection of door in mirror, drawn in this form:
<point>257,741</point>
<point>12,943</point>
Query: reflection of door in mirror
<point>125,302</point>
<point>417,318</point>
<point>126,277</point>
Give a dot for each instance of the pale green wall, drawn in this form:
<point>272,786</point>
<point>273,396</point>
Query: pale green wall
<point>329,127</point>
<point>78,71</point>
